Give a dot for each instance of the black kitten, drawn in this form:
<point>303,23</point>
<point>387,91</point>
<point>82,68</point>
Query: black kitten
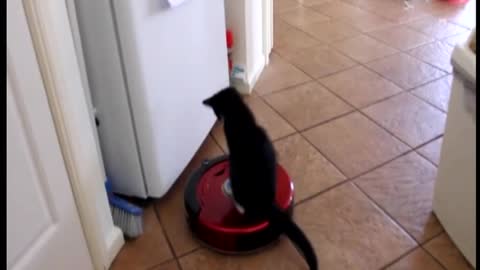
<point>253,168</point>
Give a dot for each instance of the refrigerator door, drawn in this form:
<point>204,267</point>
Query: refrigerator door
<point>173,58</point>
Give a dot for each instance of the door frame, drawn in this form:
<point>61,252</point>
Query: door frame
<point>54,45</point>
<point>267,29</point>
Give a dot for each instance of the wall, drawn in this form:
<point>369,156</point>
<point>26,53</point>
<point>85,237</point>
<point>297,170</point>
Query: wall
<point>246,20</point>
<point>255,53</point>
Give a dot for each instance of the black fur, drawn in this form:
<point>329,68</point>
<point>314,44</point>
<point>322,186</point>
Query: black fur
<point>253,167</point>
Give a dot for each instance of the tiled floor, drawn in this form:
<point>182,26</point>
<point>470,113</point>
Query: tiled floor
<point>354,98</point>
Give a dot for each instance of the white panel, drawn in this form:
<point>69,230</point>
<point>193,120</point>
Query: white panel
<point>174,58</point>
<point>26,202</point>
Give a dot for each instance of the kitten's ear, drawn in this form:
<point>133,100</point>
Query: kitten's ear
<point>207,102</point>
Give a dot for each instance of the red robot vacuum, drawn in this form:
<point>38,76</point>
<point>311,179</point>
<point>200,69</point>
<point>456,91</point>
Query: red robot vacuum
<point>213,217</point>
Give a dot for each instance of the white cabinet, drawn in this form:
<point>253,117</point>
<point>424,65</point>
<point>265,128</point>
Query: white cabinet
<point>455,188</point>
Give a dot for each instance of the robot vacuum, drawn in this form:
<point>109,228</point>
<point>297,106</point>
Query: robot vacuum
<point>213,217</point>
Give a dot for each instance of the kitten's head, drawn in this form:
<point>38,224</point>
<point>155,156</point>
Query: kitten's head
<point>221,102</point>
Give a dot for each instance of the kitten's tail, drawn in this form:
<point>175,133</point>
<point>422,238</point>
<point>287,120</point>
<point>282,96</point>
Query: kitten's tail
<point>296,235</point>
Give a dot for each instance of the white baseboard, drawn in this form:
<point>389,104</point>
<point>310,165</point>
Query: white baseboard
<point>247,87</point>
<point>114,242</point>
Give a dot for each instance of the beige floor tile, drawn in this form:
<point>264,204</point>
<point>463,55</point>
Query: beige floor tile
<point>279,74</point>
<point>432,150</point>
<point>338,10</point>
<point>330,31</point>
<point>218,134</point>
<point>302,16</point>
<point>438,54</point>
<point>309,3</point>
<point>310,171</point>
<point>360,86</point>
<point>307,105</point>
<point>170,208</point>
<point>406,71</point>
<point>457,39</point>
<point>401,37</point>
<point>355,144</point>
<point>291,40</point>
<point>284,5</point>
<point>364,4</point>
<point>320,61</point>
<point>275,125</point>
<point>149,249</point>
<point>436,93</point>
<point>166,266</point>
<point>445,251</point>
<point>404,188</point>
<point>367,22</point>
<point>363,48</point>
<point>466,18</point>
<point>437,28</point>
<point>438,8</point>
<point>280,26</point>
<point>349,232</point>
<point>281,256</point>
<point>395,11</point>
<point>417,260</point>
<point>409,118</point>
<point>463,15</point>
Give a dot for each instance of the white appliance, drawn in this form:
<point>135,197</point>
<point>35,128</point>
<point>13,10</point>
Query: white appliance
<point>149,67</point>
<point>455,188</point>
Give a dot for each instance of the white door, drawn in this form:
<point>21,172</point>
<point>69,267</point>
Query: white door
<point>43,226</point>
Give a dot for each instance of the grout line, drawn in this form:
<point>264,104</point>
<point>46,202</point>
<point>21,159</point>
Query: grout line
<point>216,142</point>
<point>411,89</point>
<point>353,178</point>
<point>318,194</point>
<point>426,100</point>
<point>416,148</point>
<point>433,237</point>
<point>178,264</point>
<point>387,214</point>
<point>434,258</point>
<point>412,92</point>
<point>283,89</point>
<point>190,252</point>
<point>300,133</point>
<point>288,87</point>
<point>360,110</point>
<point>285,137</point>
<point>330,45</point>
<point>408,252</point>
<point>369,118</point>
<point>160,264</point>
<point>327,121</point>
<point>427,159</point>
<point>165,234</point>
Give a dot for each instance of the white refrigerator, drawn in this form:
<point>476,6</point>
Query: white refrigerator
<point>149,67</point>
